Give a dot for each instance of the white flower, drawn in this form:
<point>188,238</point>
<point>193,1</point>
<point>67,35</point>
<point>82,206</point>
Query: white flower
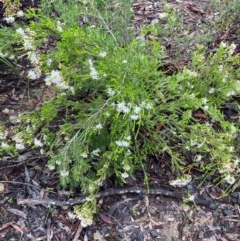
<point>58,162</point>
<point>154,21</point>
<point>134,117</point>
<point>124,61</point>
<point>136,109</point>
<point>193,143</point>
<point>232,48</point>
<point>33,58</point>
<point>34,74</point>
<point>11,57</point>
<point>121,107</point>
<point>38,143</point>
<point>49,62</point>
<point>205,107</point>
<point>146,105</point>
<point>220,68</point>
<point>236,162</point>
<point>110,92</point>
<point>230,179</point>
<point>4,145</point>
<point>19,146</point>
<point>181,182</point>
<point>128,138</point>
<point>51,167</point>
<point>71,215</point>
<point>99,126</point>
<point>122,143</point>
<point>71,88</point>
<point>20,13</point>
<point>17,138</point>
<point>96,152</point>
<point>21,32</point>
<point>191,73</point>
<point>84,155</point>
<point>124,175</point>
<point>55,78</point>
<point>230,93</point>
<point>231,148</point>
<point>191,198</point>
<point>197,158</point>
<point>42,151</point>
<point>103,54</point>
<point>126,167</point>
<point>211,91</point>
<point>223,44</point>
<point>107,114</point>
<point>9,19</point>
<point>59,27</point>
<point>204,101</point>
<point>93,71</point>
<point>140,38</point>
<point>2,136</point>
<point>27,44</point>
<point>2,55</point>
<point>86,222</point>
<point>64,173</point>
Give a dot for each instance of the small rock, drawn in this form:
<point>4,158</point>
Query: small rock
<point>201,235</point>
<point>14,119</point>
<point>212,206</point>
<point>105,229</point>
<point>228,212</point>
<point>235,194</point>
<point>5,111</point>
<point>154,233</point>
<point>2,187</point>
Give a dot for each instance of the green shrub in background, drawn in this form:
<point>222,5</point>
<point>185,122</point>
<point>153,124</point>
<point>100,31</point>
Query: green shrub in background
<point>110,98</point>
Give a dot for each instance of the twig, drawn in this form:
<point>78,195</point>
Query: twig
<point>110,192</point>
<point>77,234</point>
<point>21,183</point>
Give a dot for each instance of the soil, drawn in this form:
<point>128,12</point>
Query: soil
<point>130,216</point>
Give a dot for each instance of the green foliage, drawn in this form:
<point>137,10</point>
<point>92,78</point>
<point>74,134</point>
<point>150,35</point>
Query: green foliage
<point>228,14</point>
<point>8,47</point>
<point>114,106</point>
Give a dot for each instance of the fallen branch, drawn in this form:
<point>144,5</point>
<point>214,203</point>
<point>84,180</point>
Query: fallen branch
<point>111,192</point>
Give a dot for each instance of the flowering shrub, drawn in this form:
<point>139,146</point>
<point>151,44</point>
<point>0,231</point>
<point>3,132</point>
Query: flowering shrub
<point>110,99</point>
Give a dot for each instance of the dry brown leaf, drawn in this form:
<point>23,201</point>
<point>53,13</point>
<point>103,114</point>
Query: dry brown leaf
<point>98,236</point>
<point>105,218</point>
<point>17,212</point>
<point>2,187</point>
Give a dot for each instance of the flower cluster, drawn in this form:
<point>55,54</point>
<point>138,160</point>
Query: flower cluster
<point>182,181</point>
<point>204,102</point>
<point>55,78</point>
<point>231,48</point>
<point>28,38</point>
<point>28,44</point>
<point>229,169</point>
<point>133,110</point>
<point>64,173</point>
<point>93,71</point>
<point>38,143</point>
<point>11,19</point>
<point>19,142</point>
<point>124,143</point>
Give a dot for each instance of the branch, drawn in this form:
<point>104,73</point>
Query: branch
<point>111,192</point>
